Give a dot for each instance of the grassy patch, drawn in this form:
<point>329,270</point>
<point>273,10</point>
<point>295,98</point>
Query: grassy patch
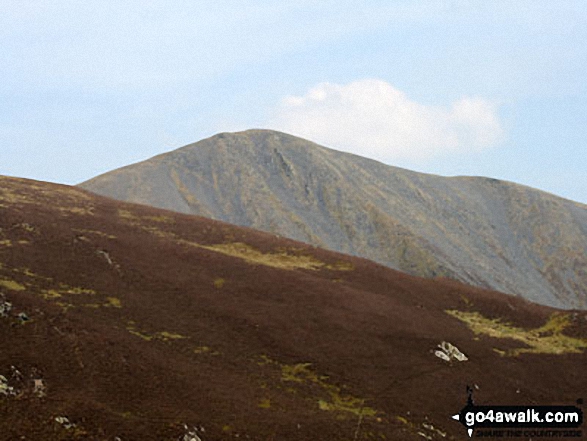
<point>28,273</point>
<point>83,211</point>
<point>95,232</point>
<point>205,350</point>
<point>280,259</point>
<point>161,219</point>
<point>27,227</point>
<point>92,305</point>
<point>162,335</point>
<point>50,294</point>
<point>288,259</point>
<point>276,260</point>
<point>76,290</point>
<point>145,337</point>
<point>64,290</point>
<point>138,220</point>
<point>340,266</point>
<point>113,302</point>
<point>202,350</point>
<point>298,373</point>
<point>350,404</point>
<point>333,399</point>
<point>61,293</point>
<point>265,403</point>
<point>548,339</point>
<point>65,306</point>
<point>125,214</point>
<point>11,285</point>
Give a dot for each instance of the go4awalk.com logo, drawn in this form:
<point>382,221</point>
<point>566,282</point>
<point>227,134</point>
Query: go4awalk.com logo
<point>521,421</point>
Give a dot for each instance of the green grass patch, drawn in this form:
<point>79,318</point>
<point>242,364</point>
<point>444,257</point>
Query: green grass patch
<point>65,290</point>
<point>282,259</point>
<point>113,302</point>
<point>332,399</point>
<point>11,285</point>
<point>547,339</point>
<point>162,335</point>
<point>205,350</point>
<point>265,403</point>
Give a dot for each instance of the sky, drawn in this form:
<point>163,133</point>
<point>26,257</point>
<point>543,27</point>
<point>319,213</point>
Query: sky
<point>478,88</point>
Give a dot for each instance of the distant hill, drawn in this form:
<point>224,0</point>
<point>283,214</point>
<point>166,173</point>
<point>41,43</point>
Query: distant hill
<point>125,322</point>
<point>481,231</point>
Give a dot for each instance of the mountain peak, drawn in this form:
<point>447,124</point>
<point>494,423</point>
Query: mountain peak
<point>481,231</point>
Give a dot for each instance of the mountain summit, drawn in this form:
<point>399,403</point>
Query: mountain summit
<point>481,231</point>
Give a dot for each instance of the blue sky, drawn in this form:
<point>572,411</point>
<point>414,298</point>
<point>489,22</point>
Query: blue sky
<point>448,87</point>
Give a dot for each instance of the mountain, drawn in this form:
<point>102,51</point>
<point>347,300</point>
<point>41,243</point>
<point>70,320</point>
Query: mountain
<point>125,322</point>
<point>480,231</point>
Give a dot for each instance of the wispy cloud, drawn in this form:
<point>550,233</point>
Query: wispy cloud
<point>372,118</point>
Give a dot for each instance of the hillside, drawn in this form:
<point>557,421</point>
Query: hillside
<point>125,322</point>
<point>480,231</point>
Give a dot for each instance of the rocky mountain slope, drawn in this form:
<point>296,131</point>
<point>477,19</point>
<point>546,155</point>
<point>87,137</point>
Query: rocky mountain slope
<point>481,231</point>
<point>124,322</point>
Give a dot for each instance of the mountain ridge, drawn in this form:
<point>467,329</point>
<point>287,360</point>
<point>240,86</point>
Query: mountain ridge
<point>481,231</point>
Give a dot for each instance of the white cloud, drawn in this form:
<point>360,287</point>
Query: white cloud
<point>372,118</point>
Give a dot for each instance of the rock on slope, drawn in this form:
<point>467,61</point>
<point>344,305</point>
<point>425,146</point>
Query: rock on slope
<point>481,231</point>
<point>141,321</point>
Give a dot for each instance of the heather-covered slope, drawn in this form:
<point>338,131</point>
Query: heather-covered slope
<point>481,231</point>
<point>142,320</point>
